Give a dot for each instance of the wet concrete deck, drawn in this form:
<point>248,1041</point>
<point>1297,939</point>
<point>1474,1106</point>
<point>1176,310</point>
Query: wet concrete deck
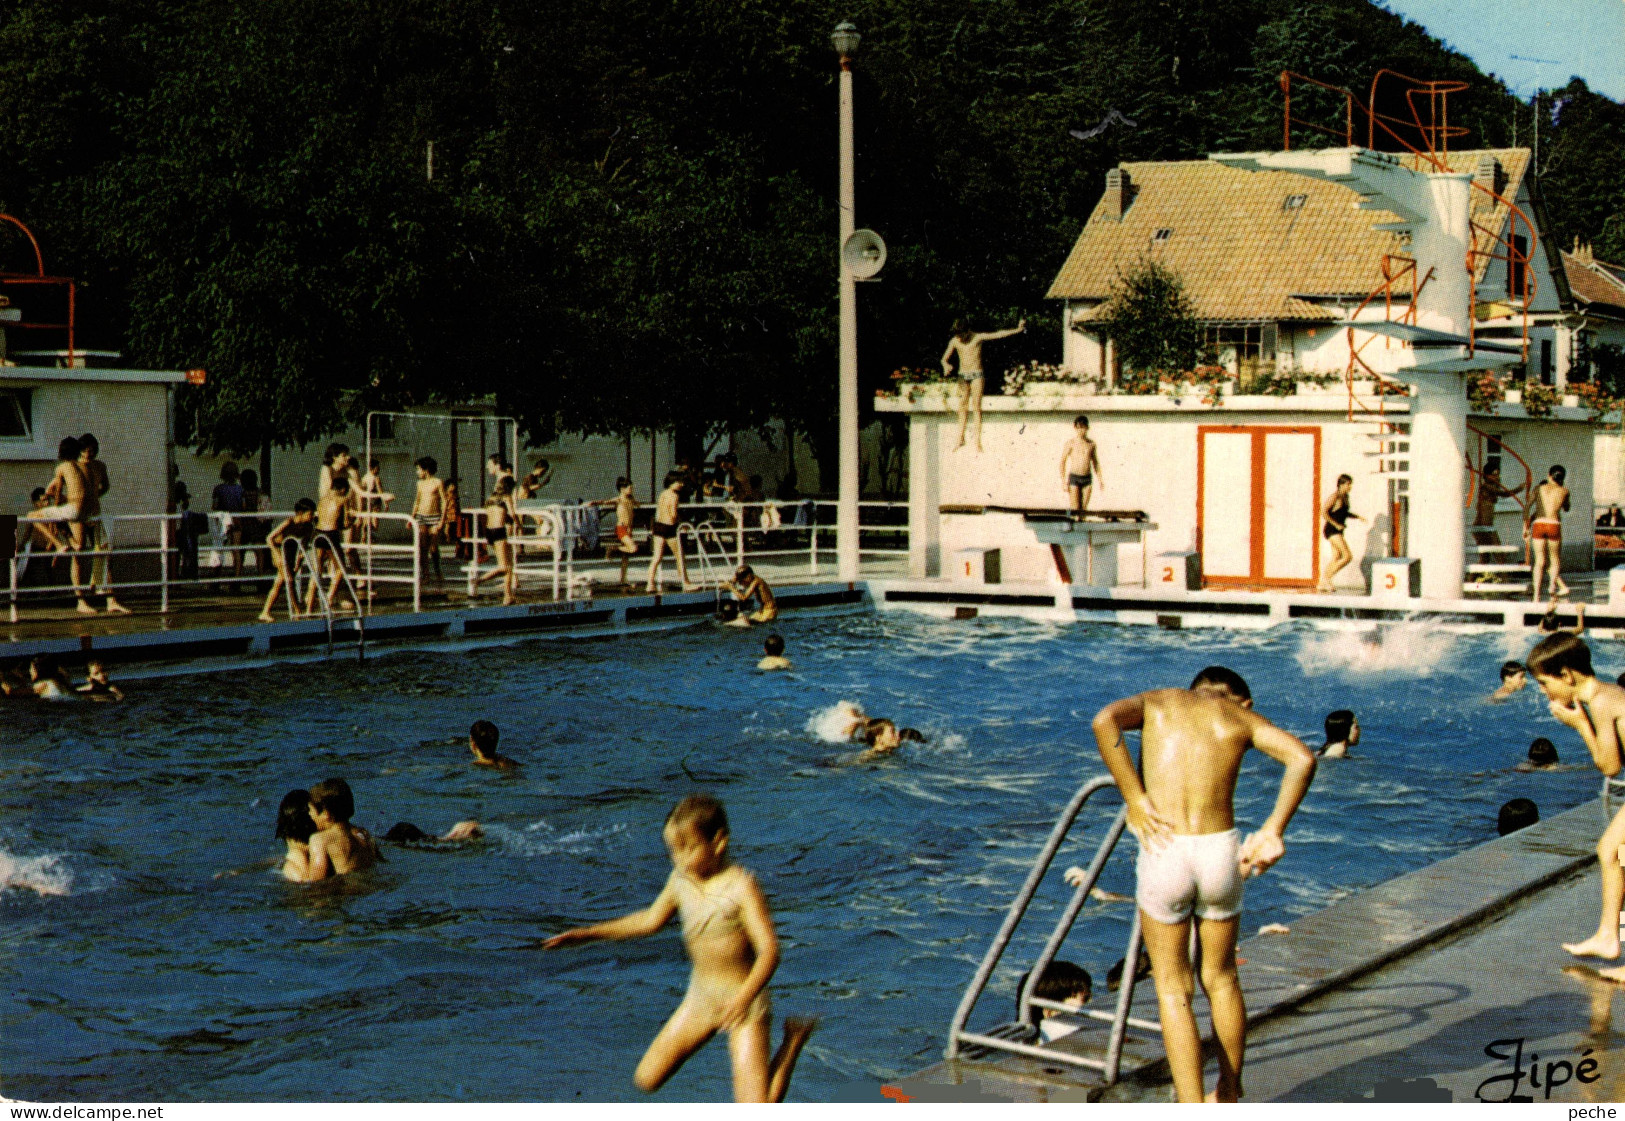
<point>1440,957</point>
<point>204,625</point>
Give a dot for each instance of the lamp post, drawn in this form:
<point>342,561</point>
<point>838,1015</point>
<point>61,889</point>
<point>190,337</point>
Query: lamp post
<point>845,39</point>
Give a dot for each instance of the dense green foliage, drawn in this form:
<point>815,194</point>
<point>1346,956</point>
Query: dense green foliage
<point>630,223</point>
<point>1151,322</point>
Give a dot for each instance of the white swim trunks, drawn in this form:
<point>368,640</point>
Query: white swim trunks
<point>1188,873</point>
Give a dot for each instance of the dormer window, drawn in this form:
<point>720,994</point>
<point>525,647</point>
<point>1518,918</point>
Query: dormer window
<point>1162,235</point>
<point>1294,202</point>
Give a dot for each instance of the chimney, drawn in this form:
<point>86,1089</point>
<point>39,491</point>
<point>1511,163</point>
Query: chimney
<point>1582,253</point>
<point>1488,174</point>
<point>1117,194</point>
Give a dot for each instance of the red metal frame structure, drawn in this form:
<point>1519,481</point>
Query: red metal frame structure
<point>1433,134</point>
<point>39,278</point>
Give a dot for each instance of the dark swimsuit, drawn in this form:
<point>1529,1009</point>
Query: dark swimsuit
<point>1336,518</point>
<point>1081,481</point>
<point>664,529</point>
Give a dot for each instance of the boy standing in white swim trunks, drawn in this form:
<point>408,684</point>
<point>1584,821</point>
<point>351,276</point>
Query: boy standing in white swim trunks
<point>1192,860</point>
<point>730,939</point>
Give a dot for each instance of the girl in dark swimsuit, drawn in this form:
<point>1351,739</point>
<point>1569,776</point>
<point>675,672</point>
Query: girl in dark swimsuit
<point>1334,517</point>
<point>499,516</point>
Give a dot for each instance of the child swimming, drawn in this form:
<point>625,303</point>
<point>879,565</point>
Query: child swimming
<point>1513,679</point>
<point>1063,982</point>
<point>1561,666</point>
<point>294,826</point>
<point>1342,733</point>
<point>482,741</point>
<point>337,848</point>
<point>773,654</point>
<point>48,681</point>
<point>729,936</point>
<point>97,687</point>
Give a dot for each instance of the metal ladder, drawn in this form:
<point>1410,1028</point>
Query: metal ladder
<point>711,577</point>
<point>305,566</point>
<point>1015,1037</point>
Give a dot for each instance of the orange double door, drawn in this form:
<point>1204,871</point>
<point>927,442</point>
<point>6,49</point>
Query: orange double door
<point>1258,505</point>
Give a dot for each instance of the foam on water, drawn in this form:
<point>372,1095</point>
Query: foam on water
<point>1414,649</point>
<point>45,875</point>
<point>834,724</point>
<point>541,839</point>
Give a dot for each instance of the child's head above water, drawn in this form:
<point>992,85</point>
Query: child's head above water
<point>482,739</point>
<point>332,797</point>
<point>1543,752</point>
<point>727,611</point>
<point>293,817</point>
<point>1064,982</point>
<point>696,834</point>
<point>1218,679</point>
<point>773,646</point>
<point>1341,727</point>
<point>1511,671</point>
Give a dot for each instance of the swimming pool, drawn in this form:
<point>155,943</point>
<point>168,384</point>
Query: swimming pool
<point>147,979</point>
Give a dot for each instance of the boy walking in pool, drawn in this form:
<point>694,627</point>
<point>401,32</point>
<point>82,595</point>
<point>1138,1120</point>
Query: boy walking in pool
<point>1561,666</point>
<point>1192,862</point>
<point>730,940</point>
<point>1080,463</point>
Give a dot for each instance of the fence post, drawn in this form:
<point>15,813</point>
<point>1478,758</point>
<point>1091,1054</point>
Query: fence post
<point>14,585</point>
<point>417,566</point>
<point>812,549</point>
<point>740,547</point>
<point>163,565</point>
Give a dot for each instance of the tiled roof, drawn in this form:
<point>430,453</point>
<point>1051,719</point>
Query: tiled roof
<point>1594,282</point>
<point>1242,252</point>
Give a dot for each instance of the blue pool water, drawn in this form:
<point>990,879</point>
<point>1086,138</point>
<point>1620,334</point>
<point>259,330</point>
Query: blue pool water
<point>127,972</point>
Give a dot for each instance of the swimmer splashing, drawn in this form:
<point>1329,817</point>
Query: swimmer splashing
<point>730,940</point>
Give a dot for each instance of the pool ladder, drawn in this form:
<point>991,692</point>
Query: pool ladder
<point>698,533</point>
<point>1019,1037</point>
<point>305,566</point>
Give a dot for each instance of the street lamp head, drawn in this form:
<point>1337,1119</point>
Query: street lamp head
<point>846,39</point>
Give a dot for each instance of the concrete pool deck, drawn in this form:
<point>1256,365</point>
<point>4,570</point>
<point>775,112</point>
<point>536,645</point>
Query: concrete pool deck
<point>1410,979</point>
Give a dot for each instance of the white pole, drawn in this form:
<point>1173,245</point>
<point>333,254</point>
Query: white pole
<point>846,512</point>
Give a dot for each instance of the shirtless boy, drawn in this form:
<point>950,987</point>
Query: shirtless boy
<point>729,936</point>
<point>1192,861</point>
<point>293,826</point>
<point>1080,463</point>
<point>482,741</point>
<point>70,500</point>
<point>333,521</point>
<point>301,527</point>
<point>773,654</point>
<point>663,533</point>
<point>1561,666</point>
<point>1544,530</point>
<point>967,344</point>
<point>625,507</point>
<point>746,587</point>
<point>1513,679</point>
<point>429,510</point>
<point>337,847</point>
<point>97,485</point>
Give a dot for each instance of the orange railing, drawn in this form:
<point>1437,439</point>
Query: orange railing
<point>38,277</point>
<point>1429,142</point>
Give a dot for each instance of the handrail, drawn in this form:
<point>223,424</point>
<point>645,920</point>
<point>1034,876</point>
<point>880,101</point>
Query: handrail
<point>1120,1020</point>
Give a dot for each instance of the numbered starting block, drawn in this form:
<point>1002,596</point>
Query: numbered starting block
<point>1396,578</point>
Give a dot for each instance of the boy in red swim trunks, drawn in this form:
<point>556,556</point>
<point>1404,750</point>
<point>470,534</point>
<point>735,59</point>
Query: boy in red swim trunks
<point>625,505</point>
<point>1544,531</point>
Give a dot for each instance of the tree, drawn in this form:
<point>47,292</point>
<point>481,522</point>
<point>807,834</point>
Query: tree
<point>1151,322</point>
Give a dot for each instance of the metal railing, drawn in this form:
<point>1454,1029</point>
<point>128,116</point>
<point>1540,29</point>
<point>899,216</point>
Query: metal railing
<point>193,550</point>
<point>1012,1037</point>
<point>304,565</point>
